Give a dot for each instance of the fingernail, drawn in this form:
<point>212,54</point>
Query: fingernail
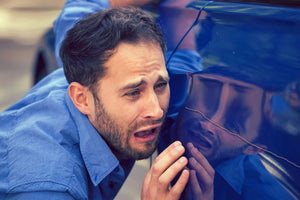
<point>182,159</point>
<point>190,145</point>
<point>179,148</point>
<point>185,172</point>
<point>177,143</point>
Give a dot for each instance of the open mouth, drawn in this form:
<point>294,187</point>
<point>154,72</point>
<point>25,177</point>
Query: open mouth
<point>199,141</point>
<point>146,135</point>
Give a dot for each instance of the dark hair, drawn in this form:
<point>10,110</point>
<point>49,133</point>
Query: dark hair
<point>91,42</point>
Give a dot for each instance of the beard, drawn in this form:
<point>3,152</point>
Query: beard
<point>118,137</point>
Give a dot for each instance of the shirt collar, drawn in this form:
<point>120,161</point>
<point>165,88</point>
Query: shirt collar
<point>232,171</point>
<point>97,156</point>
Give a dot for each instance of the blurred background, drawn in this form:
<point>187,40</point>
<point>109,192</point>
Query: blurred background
<point>22,24</point>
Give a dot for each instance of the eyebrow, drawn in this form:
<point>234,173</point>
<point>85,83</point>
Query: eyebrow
<point>240,88</point>
<point>133,85</point>
<point>212,80</point>
<point>142,82</point>
<point>236,86</point>
<point>161,78</point>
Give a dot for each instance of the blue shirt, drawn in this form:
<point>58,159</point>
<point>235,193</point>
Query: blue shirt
<point>50,150</point>
<point>245,178</point>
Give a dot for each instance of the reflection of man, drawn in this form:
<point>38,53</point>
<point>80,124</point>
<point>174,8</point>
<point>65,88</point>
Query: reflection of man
<point>232,104</point>
<point>223,119</point>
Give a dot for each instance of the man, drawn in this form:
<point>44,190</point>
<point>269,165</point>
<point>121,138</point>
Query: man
<point>74,11</point>
<point>77,137</point>
<point>223,124</point>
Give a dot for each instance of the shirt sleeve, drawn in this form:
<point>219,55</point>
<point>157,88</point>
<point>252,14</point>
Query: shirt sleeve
<point>260,184</point>
<point>72,12</point>
<point>40,195</point>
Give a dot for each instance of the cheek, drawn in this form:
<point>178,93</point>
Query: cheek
<point>115,110</point>
<point>252,127</point>
<point>126,114</point>
<point>229,141</point>
<point>164,99</point>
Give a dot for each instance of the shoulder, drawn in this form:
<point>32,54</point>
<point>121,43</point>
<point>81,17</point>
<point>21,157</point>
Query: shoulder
<point>39,143</point>
<point>41,164</point>
<point>260,183</point>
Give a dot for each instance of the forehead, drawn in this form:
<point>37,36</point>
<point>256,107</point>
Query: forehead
<point>135,62</point>
<point>212,92</point>
<point>225,80</point>
<point>231,102</point>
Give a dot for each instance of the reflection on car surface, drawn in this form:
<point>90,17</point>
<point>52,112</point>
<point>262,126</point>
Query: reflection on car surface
<point>247,84</point>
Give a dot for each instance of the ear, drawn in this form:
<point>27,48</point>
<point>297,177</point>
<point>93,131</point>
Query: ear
<point>79,95</point>
<point>255,150</point>
<point>267,106</point>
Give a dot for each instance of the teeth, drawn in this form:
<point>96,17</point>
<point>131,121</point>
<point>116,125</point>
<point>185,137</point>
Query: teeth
<point>143,133</point>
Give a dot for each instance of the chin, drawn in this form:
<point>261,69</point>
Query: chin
<point>148,150</point>
<point>142,155</point>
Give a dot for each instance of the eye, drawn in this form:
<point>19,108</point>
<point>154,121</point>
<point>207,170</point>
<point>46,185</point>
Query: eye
<point>161,85</point>
<point>133,93</point>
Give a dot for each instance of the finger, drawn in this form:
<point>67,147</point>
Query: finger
<point>160,164</point>
<point>200,159</point>
<point>179,186</point>
<point>165,179</point>
<point>166,159</point>
<point>205,180</point>
<point>168,149</point>
<point>146,183</point>
<point>194,185</point>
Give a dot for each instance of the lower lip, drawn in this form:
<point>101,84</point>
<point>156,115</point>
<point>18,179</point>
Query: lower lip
<point>201,148</point>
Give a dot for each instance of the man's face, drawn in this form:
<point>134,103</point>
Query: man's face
<point>226,106</point>
<point>132,99</point>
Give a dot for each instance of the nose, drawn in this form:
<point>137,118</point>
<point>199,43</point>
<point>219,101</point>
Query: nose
<point>209,128</point>
<point>152,108</point>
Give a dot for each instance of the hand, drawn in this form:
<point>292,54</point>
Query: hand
<point>166,166</point>
<point>201,176</point>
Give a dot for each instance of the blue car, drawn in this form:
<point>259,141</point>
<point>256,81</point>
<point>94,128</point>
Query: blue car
<point>235,98</point>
